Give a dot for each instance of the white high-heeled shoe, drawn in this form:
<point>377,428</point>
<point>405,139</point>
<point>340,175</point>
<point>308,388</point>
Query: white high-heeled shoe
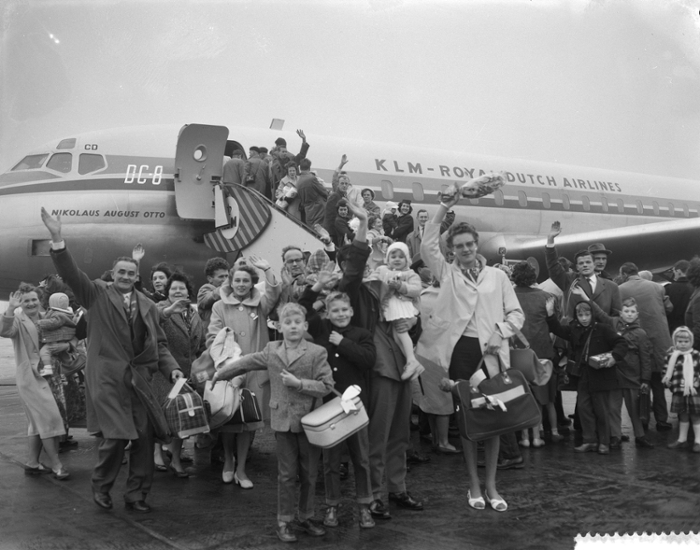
<point>243,483</point>
<point>497,504</point>
<point>476,503</point>
<point>227,476</point>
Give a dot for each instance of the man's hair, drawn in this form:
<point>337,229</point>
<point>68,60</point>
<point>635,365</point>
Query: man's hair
<point>582,254</point>
<point>628,268</point>
<point>337,296</point>
<point>178,276</point>
<point>215,264</point>
<point>459,229</point>
<point>305,164</point>
<point>342,254</point>
<point>125,259</point>
<point>289,309</point>
<point>163,268</point>
<point>629,302</point>
<point>682,265</point>
<point>524,274</point>
<point>237,153</point>
<point>249,270</point>
<point>291,247</point>
<point>565,263</point>
<point>693,272</point>
<point>421,210</point>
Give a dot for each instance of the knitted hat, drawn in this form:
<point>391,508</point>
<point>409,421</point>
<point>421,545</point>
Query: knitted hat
<point>398,246</point>
<point>59,301</point>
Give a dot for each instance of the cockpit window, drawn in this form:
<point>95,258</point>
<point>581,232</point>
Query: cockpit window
<point>66,144</point>
<point>31,162</point>
<point>61,162</point>
<point>90,163</point>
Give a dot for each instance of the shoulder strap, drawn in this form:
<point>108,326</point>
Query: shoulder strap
<point>520,336</point>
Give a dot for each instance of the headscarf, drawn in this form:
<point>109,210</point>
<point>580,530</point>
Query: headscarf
<point>688,388</point>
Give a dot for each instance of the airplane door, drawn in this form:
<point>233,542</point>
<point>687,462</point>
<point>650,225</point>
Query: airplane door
<point>199,159</point>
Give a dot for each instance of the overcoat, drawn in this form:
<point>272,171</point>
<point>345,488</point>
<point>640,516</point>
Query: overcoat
<point>491,300</point>
<point>111,348</point>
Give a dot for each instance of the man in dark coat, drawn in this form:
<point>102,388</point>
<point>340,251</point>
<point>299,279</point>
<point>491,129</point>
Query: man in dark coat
<point>123,334</point>
<point>679,292</point>
<point>257,173</point>
<point>312,195</point>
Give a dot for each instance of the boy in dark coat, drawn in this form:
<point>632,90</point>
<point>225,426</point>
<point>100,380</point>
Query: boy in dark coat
<point>351,355</point>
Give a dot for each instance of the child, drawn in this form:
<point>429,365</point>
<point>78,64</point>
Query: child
<point>378,241</point>
<point>683,377</point>
<point>299,374</point>
<point>634,373</point>
<point>57,331</point>
<point>399,297</point>
<point>351,355</point>
<point>588,338</point>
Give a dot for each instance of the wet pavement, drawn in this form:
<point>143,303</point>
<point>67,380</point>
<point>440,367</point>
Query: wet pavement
<point>558,495</point>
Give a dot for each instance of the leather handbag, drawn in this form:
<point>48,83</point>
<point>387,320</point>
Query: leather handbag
<point>248,410</point>
<point>223,400</point>
<point>524,359</point>
<point>490,407</point>
<point>644,405</point>
<point>72,361</point>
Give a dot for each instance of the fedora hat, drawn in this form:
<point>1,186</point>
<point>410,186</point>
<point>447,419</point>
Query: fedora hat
<point>599,247</point>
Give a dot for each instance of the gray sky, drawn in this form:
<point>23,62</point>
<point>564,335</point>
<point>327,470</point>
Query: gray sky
<point>607,83</point>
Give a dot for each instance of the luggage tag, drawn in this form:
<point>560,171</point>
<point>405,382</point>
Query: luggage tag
<point>346,400</point>
<point>177,387</point>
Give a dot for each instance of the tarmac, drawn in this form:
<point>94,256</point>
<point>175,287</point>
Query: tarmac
<point>557,496</point>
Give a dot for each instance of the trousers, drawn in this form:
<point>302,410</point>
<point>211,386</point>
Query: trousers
<point>594,411</point>
<point>295,455</point>
<point>358,447</point>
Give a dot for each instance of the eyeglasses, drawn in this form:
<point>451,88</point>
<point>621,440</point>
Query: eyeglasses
<point>295,261</point>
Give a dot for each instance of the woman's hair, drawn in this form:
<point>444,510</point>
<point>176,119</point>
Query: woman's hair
<point>181,277</point>
<point>249,270</point>
<point>524,274</point>
<point>215,264</point>
<point>693,273</point>
<point>371,221</point>
<point>291,164</point>
<point>26,288</point>
<point>163,268</point>
<point>410,208</point>
<point>367,189</point>
<point>459,229</point>
<point>682,330</point>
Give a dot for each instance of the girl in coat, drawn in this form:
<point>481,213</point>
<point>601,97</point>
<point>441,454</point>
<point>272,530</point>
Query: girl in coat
<point>399,297</point>
<point>683,377</point>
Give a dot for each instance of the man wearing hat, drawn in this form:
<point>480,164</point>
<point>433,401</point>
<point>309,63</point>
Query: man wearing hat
<point>600,259</point>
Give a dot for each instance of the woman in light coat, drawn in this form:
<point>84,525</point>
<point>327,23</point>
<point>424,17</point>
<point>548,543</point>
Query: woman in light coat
<point>475,313</point>
<point>244,309</point>
<point>45,422</point>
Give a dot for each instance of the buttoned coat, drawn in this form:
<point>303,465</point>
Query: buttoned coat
<point>34,391</point>
<point>606,294</point>
<point>652,304</point>
<point>308,362</point>
<point>491,300</point>
<point>111,348</point>
<point>312,198</point>
<point>185,344</point>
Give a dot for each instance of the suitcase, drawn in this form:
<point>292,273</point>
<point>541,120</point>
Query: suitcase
<point>329,424</point>
<point>185,413</point>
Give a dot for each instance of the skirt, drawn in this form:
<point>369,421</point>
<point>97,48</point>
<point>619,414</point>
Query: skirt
<point>396,308</point>
<point>463,364</point>
<point>685,404</point>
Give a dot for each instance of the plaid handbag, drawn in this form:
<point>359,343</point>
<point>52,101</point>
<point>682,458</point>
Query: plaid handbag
<point>249,410</point>
<point>185,412</point>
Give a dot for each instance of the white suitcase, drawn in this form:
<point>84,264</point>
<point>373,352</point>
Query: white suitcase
<point>330,424</point>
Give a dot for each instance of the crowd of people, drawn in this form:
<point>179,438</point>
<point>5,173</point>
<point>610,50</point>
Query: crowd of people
<point>402,308</point>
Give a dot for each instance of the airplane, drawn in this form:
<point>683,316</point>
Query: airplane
<point>156,185</point>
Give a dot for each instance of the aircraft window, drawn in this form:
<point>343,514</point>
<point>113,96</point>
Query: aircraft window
<point>686,212</point>
<point>66,144</point>
<point>417,191</point>
<point>604,204</point>
<point>31,162</point>
<point>387,190</point>
<point>671,209</point>
<point>586,204</point>
<point>566,202</point>
<point>522,199</point>
<point>620,206</point>
<point>90,163</point>
<point>656,208</point>
<point>41,247</point>
<point>498,195</point>
<point>640,207</point>
<point>546,200</point>
<point>61,162</point>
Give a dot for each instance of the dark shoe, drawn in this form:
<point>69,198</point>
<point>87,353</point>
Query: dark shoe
<point>331,517</point>
<point>178,473</point>
<point>680,445</point>
<point>103,500</point>
<point>344,473</point>
<point>556,438</point>
<point>187,459</point>
<point>603,450</point>
<point>643,442</point>
<point>696,447</point>
<point>139,506</point>
<point>414,457</point>
<point>586,448</point>
<point>624,438</point>
<point>36,470</point>
<point>405,500</point>
<point>615,442</point>
<point>310,528</point>
<point>366,521</point>
<point>61,474</point>
<point>378,510</point>
<point>664,426</point>
<point>447,450</point>
<point>511,463</point>
<point>285,533</point>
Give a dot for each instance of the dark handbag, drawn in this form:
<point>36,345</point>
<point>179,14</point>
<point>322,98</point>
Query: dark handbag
<point>573,368</point>
<point>500,405</point>
<point>153,409</point>
<point>524,359</point>
<point>71,361</point>
<point>644,405</point>
<point>185,412</point>
<point>249,410</point>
